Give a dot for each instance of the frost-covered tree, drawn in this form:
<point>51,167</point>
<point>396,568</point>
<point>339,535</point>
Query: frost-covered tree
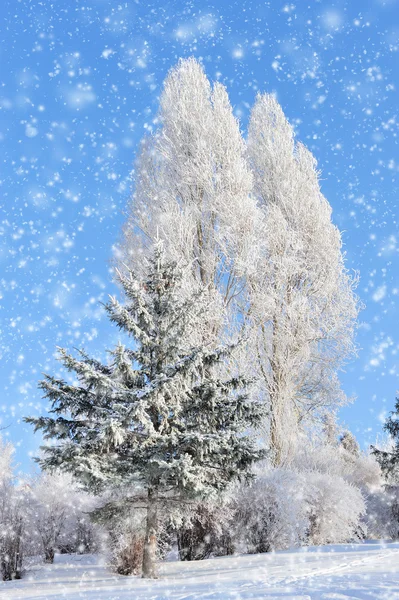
<point>302,299</point>
<point>164,416</point>
<point>192,186</point>
<point>57,511</point>
<point>350,444</point>
<point>12,516</point>
<point>51,502</point>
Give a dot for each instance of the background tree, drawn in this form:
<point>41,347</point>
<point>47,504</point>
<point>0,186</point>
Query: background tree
<point>13,507</point>
<point>388,458</point>
<point>57,511</point>
<point>164,416</point>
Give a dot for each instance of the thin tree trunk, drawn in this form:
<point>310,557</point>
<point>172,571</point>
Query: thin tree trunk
<point>150,542</point>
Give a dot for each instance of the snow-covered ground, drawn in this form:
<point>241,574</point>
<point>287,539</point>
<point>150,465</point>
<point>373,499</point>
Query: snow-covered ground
<point>343,572</point>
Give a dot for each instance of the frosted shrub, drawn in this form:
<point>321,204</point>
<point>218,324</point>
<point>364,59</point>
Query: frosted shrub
<point>125,537</point>
<point>383,513</point>
<point>334,507</point>
<point>127,545</point>
<point>365,472</point>
<point>271,513</point>
<point>333,476</point>
<point>206,532</point>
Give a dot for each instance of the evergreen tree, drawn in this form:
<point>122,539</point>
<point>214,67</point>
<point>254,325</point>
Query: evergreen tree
<point>389,459</point>
<point>163,416</point>
<point>350,444</point>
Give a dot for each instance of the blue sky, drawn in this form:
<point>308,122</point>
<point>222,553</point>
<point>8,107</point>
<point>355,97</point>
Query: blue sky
<point>79,86</point>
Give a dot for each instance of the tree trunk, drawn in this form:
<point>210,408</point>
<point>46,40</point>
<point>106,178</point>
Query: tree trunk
<point>49,555</point>
<point>150,542</point>
<point>6,570</point>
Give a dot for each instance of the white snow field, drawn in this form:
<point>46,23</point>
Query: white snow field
<point>341,572</point>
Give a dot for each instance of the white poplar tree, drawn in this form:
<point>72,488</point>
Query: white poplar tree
<point>192,187</point>
<point>302,297</point>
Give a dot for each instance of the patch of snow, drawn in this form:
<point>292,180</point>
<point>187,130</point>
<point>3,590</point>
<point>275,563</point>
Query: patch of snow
<point>344,572</point>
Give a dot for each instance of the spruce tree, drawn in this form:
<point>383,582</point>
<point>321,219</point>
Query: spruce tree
<point>164,416</point>
<point>389,459</point>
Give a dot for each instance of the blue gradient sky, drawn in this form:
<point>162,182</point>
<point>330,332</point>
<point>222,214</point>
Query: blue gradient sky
<point>79,86</point>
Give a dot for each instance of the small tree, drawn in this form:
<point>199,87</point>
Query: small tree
<point>12,516</point>
<point>165,416</point>
<point>58,516</point>
<point>350,444</point>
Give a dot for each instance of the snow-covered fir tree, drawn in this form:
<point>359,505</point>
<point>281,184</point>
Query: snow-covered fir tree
<point>388,457</point>
<point>164,416</point>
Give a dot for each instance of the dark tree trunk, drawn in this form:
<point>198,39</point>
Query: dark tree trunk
<point>11,554</point>
<point>6,570</point>
<point>49,555</point>
<point>150,541</point>
<point>11,569</point>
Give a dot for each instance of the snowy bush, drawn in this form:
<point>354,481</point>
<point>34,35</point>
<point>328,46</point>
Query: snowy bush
<point>383,513</point>
<point>316,499</point>
<point>125,543</point>
<point>334,507</point>
<point>334,475</point>
<point>122,534</point>
<point>271,512</point>
<point>206,531</point>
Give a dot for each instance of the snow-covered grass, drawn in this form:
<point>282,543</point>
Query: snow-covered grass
<point>341,572</point>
